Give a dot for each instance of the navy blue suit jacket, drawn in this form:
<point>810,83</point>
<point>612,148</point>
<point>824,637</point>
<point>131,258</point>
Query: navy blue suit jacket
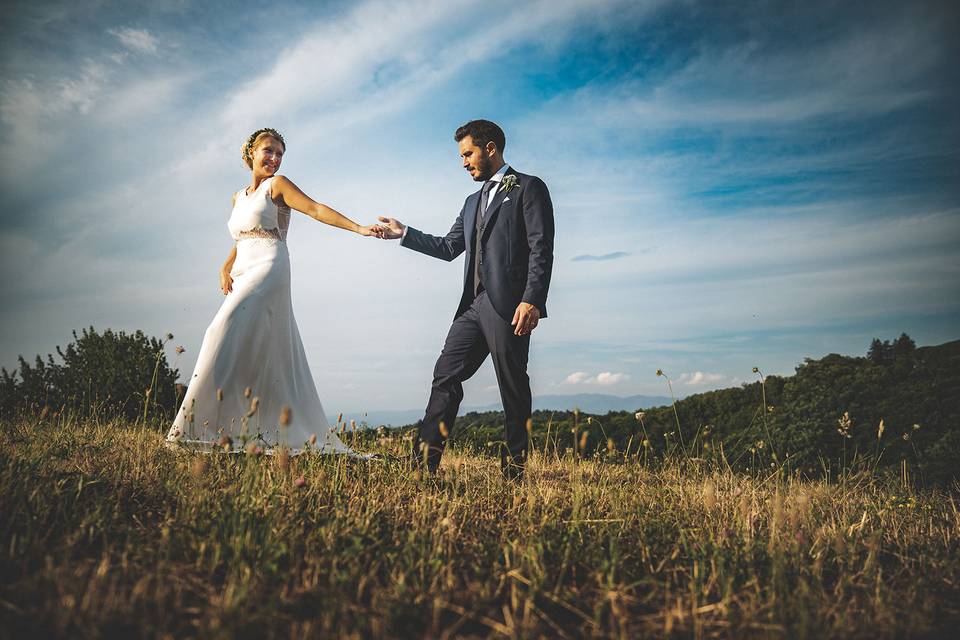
<point>516,246</point>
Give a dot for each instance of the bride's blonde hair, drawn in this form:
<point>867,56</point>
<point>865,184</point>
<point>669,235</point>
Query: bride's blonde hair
<point>254,139</point>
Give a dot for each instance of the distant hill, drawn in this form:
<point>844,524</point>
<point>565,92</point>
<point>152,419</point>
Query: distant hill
<point>587,402</point>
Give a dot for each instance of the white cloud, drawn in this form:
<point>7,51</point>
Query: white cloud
<point>136,40</point>
<point>577,377</point>
<point>359,66</point>
<point>608,378</point>
<point>604,378</point>
<point>699,378</point>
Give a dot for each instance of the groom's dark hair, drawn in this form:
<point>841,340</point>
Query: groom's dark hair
<point>482,132</point>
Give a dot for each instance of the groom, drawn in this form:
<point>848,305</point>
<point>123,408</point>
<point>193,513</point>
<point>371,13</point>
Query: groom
<point>506,229</point>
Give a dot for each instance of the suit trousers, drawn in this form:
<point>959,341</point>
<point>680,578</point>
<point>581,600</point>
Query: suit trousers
<point>474,334</point>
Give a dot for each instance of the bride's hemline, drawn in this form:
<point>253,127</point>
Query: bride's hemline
<point>202,446</point>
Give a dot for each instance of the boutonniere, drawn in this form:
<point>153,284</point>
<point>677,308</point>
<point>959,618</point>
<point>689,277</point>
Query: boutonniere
<point>508,183</point>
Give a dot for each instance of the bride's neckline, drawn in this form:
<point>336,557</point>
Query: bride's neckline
<point>246,190</point>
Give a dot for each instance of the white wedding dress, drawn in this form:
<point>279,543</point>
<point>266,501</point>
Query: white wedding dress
<point>252,382</point>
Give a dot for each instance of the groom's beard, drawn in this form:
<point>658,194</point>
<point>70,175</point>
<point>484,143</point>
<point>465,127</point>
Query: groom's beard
<point>485,170</point>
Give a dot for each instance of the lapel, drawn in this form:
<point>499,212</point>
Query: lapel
<point>470,220</point>
<point>491,215</point>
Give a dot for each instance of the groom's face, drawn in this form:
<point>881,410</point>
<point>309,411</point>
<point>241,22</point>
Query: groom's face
<point>477,161</point>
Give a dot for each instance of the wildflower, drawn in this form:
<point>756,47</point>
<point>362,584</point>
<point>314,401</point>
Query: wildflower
<point>169,336</point>
<point>880,429</point>
<point>916,427</point>
<point>179,350</point>
<point>844,423</point>
<point>770,408</point>
<point>639,415</point>
<point>254,405</point>
<point>299,481</point>
<point>659,372</point>
<point>756,369</point>
<point>226,442</point>
<point>285,415</point>
<point>759,444</point>
<point>646,443</point>
<point>905,436</point>
<point>709,495</point>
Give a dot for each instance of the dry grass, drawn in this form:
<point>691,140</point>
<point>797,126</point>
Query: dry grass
<point>107,534</point>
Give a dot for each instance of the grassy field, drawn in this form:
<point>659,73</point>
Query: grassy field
<point>105,533</point>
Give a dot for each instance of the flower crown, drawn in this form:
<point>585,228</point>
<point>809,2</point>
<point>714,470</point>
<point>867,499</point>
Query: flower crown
<point>248,145</point>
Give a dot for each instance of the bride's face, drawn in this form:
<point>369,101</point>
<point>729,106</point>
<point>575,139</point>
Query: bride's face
<point>267,156</point>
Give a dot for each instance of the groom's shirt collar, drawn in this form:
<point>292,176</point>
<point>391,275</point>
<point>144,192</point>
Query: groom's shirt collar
<point>497,177</point>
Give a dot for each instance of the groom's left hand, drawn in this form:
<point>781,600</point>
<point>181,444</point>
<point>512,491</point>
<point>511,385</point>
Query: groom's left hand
<point>525,319</point>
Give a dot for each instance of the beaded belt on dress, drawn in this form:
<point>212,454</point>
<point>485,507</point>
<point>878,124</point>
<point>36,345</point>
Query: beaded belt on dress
<point>261,234</point>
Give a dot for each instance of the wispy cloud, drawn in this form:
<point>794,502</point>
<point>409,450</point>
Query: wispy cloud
<point>586,257</point>
<point>604,378</point>
<point>136,40</point>
<point>700,378</point>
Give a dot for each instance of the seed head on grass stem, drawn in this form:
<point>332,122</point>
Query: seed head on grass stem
<point>676,415</point>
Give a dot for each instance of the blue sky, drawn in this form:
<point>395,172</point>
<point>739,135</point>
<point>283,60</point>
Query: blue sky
<point>734,186</point>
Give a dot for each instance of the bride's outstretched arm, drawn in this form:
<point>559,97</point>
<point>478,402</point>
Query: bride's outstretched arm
<point>283,188</point>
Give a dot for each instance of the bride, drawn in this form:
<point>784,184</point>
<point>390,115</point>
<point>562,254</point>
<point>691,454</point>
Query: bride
<point>252,386</point>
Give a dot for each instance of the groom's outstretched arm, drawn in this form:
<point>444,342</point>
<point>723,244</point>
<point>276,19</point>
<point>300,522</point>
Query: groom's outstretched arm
<point>446,248</point>
<point>538,217</point>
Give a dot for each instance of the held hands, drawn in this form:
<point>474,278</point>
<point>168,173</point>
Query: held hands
<point>374,230</point>
<point>226,282</point>
<point>525,319</point>
<point>392,229</point>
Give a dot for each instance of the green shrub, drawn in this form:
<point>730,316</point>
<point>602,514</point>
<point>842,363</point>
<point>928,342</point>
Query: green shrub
<point>103,374</point>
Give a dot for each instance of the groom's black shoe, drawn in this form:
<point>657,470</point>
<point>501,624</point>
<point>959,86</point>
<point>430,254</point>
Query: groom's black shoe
<point>425,457</point>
